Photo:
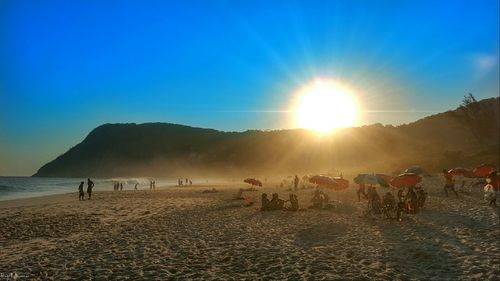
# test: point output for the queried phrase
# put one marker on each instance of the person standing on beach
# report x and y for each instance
(296, 182)
(121, 186)
(81, 194)
(361, 191)
(90, 185)
(449, 183)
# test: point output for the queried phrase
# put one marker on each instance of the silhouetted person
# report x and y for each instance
(294, 203)
(388, 201)
(411, 201)
(265, 202)
(190, 182)
(490, 193)
(296, 182)
(121, 186)
(276, 203)
(154, 185)
(400, 208)
(81, 194)
(449, 183)
(317, 200)
(135, 187)
(361, 191)
(90, 185)
(421, 196)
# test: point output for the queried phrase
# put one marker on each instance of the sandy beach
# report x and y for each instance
(183, 233)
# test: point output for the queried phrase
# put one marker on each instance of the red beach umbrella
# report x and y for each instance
(329, 182)
(341, 183)
(406, 180)
(483, 170)
(385, 178)
(253, 181)
(322, 180)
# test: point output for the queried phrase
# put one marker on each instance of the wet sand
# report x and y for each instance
(183, 233)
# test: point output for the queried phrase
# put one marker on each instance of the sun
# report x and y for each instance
(325, 105)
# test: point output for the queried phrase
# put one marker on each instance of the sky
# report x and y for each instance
(67, 67)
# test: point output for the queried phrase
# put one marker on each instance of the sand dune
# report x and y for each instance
(183, 233)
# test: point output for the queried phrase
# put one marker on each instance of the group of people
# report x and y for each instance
(117, 186)
(411, 202)
(491, 188)
(279, 204)
(320, 200)
(81, 194)
(186, 181)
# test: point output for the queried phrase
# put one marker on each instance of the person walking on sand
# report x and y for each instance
(449, 183)
(90, 185)
(81, 194)
(154, 185)
(135, 187)
(121, 186)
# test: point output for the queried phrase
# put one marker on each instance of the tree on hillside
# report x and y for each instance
(470, 108)
(468, 100)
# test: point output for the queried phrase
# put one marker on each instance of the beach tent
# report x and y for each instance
(253, 181)
(483, 171)
(406, 180)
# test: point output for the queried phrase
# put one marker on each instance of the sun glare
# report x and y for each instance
(325, 105)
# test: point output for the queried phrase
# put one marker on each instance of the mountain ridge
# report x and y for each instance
(468, 135)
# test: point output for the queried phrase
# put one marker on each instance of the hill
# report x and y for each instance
(466, 136)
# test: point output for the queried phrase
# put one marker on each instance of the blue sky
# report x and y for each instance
(69, 66)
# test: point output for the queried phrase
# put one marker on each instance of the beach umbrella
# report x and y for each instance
(406, 180)
(414, 170)
(341, 183)
(253, 181)
(322, 180)
(329, 182)
(380, 179)
(459, 171)
(483, 170)
(384, 180)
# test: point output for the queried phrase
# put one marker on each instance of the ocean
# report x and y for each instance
(26, 187)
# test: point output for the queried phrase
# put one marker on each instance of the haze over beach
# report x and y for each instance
(297, 140)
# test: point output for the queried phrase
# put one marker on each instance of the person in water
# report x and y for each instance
(90, 185)
(265, 202)
(81, 194)
(449, 183)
